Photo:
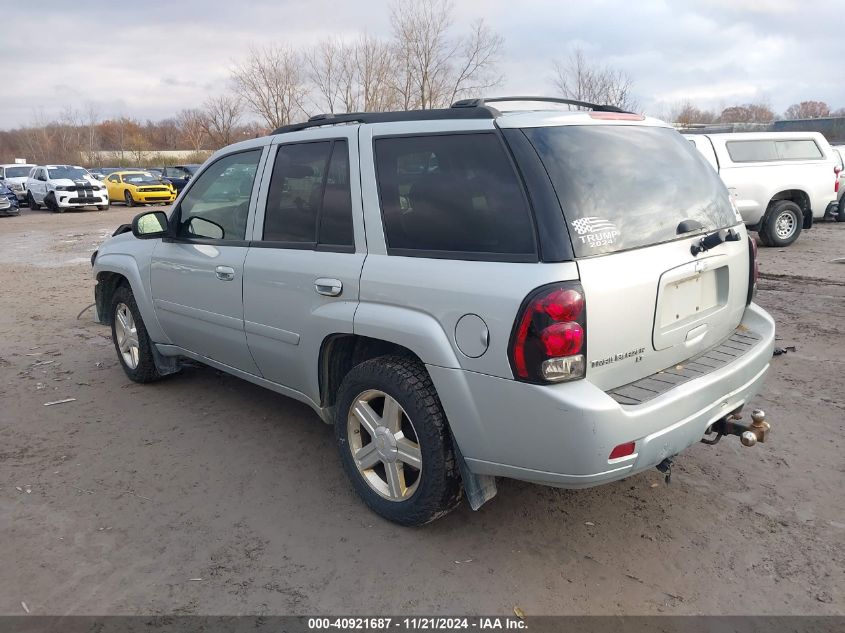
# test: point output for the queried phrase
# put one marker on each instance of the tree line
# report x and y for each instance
(425, 62)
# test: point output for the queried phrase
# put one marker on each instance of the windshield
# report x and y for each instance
(17, 172)
(625, 186)
(73, 173)
(141, 179)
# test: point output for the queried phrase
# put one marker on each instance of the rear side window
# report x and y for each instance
(773, 150)
(624, 186)
(452, 194)
(798, 150)
(309, 201)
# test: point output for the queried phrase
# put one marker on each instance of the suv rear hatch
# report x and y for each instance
(624, 190)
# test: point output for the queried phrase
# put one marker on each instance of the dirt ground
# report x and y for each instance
(204, 494)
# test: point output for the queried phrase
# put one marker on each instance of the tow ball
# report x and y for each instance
(749, 433)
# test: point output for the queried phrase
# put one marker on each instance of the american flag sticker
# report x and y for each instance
(583, 226)
(595, 232)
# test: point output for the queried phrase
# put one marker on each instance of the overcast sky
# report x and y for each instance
(150, 58)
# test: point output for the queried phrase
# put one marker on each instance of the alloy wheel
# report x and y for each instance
(384, 445)
(127, 335)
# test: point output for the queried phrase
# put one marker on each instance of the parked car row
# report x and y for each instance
(61, 187)
(780, 182)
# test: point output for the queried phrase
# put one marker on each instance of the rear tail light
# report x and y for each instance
(753, 269)
(836, 171)
(549, 340)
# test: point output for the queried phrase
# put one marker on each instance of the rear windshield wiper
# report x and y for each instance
(714, 239)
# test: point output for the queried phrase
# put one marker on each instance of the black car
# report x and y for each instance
(8, 201)
(179, 175)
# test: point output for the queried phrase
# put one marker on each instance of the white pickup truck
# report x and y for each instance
(780, 181)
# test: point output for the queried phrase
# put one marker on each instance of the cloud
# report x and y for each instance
(158, 57)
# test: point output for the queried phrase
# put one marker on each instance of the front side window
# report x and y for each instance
(217, 204)
(309, 201)
(452, 193)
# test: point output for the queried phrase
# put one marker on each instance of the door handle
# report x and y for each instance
(225, 273)
(328, 287)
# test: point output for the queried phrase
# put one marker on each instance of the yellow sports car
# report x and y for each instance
(139, 187)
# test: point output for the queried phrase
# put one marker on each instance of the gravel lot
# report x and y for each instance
(206, 494)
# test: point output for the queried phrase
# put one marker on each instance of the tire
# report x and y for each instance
(840, 214)
(52, 205)
(782, 224)
(419, 494)
(31, 201)
(128, 199)
(102, 207)
(123, 308)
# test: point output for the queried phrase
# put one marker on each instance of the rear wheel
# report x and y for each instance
(394, 441)
(30, 200)
(131, 341)
(782, 224)
(127, 197)
(840, 214)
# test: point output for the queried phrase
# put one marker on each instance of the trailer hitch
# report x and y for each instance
(749, 433)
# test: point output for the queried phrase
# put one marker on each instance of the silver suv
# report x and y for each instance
(467, 293)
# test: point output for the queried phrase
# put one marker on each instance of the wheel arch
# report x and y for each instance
(799, 197)
(110, 271)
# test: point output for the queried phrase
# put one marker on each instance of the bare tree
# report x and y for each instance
(220, 117)
(331, 68)
(807, 110)
(579, 79)
(433, 66)
(747, 113)
(192, 126)
(685, 114)
(375, 69)
(355, 76)
(272, 84)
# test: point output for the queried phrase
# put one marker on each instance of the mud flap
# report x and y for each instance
(165, 365)
(479, 489)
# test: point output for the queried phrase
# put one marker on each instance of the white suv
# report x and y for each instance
(460, 294)
(61, 187)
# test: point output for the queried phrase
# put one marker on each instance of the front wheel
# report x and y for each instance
(31, 201)
(394, 441)
(782, 225)
(131, 341)
(102, 207)
(127, 197)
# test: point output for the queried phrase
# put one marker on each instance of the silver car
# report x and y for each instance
(465, 294)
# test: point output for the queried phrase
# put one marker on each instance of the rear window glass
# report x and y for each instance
(624, 187)
(452, 194)
(773, 150)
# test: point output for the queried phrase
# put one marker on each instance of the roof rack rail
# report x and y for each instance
(480, 103)
(318, 120)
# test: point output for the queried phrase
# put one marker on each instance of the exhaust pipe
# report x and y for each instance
(749, 433)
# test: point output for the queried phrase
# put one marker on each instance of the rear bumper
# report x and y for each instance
(562, 435)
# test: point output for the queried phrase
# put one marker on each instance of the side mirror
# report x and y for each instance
(200, 227)
(149, 225)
